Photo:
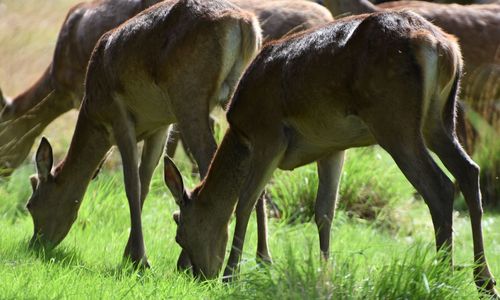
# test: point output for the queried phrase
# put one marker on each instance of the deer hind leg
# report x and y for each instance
(263, 255)
(443, 141)
(195, 132)
(329, 173)
(126, 141)
(263, 165)
(194, 126)
(437, 190)
(151, 153)
(404, 142)
(173, 137)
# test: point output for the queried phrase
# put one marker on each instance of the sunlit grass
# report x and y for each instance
(368, 261)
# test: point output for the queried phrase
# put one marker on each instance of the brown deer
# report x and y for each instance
(477, 28)
(389, 78)
(277, 18)
(61, 87)
(144, 75)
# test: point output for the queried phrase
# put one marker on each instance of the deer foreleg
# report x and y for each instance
(126, 141)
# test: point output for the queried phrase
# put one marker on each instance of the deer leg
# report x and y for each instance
(151, 153)
(263, 254)
(126, 141)
(413, 159)
(195, 132)
(173, 136)
(172, 140)
(466, 172)
(263, 166)
(329, 173)
(461, 127)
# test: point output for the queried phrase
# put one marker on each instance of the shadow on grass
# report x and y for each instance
(61, 256)
(68, 258)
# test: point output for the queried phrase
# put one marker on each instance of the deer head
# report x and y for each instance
(52, 216)
(205, 250)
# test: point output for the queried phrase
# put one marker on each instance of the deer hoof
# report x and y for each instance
(264, 260)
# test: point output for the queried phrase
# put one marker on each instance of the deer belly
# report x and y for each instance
(308, 143)
(149, 107)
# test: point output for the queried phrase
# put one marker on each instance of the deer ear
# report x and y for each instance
(34, 181)
(173, 180)
(44, 160)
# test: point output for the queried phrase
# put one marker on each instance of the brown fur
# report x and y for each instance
(388, 78)
(477, 28)
(61, 87)
(144, 75)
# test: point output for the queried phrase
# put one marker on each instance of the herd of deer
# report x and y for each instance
(316, 88)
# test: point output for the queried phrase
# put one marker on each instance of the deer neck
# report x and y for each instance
(42, 114)
(88, 147)
(32, 96)
(221, 187)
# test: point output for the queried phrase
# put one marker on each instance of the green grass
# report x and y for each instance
(388, 256)
(364, 192)
(368, 261)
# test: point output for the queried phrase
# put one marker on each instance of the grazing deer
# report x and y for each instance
(477, 28)
(387, 78)
(61, 87)
(171, 63)
(277, 18)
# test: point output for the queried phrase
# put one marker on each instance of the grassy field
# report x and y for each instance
(382, 240)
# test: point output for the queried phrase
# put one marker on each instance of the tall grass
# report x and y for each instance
(372, 187)
(417, 274)
(366, 262)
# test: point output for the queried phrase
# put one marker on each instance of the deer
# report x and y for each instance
(60, 88)
(477, 28)
(143, 76)
(277, 19)
(310, 96)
